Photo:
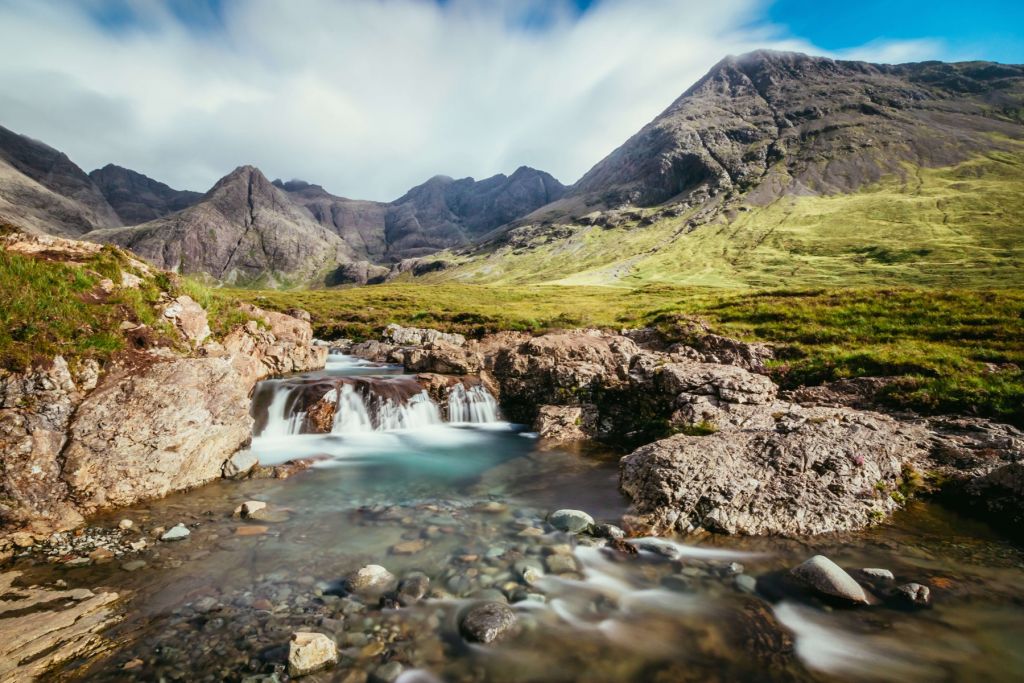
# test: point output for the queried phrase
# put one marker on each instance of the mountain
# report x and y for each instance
(788, 122)
(440, 213)
(137, 198)
(44, 191)
(244, 231)
(777, 169)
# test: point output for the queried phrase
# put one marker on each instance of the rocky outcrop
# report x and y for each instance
(41, 628)
(157, 419)
(414, 336)
(817, 471)
(36, 408)
(146, 432)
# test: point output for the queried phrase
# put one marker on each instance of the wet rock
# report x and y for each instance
(561, 564)
(41, 629)
(240, 464)
(409, 547)
(571, 521)
(372, 578)
(830, 580)
(125, 524)
(388, 673)
(249, 509)
(487, 622)
(914, 594)
(176, 533)
(310, 652)
(746, 583)
(609, 531)
(134, 565)
(413, 588)
(876, 573)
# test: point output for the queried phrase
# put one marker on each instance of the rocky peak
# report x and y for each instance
(137, 198)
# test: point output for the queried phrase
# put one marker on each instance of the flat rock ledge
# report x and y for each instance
(41, 628)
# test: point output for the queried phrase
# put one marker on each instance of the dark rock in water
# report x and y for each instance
(830, 580)
(413, 588)
(487, 622)
(914, 594)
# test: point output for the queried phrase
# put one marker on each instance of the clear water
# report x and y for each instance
(464, 495)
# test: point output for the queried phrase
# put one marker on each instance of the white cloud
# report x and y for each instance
(367, 97)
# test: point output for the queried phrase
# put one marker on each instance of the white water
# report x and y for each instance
(357, 412)
(280, 420)
(473, 405)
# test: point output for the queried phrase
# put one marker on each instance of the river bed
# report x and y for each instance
(465, 504)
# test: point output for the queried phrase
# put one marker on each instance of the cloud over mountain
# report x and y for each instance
(367, 97)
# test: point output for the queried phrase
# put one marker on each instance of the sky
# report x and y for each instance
(371, 97)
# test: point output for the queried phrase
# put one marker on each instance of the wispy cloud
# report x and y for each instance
(367, 97)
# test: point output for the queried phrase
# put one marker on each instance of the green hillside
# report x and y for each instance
(957, 226)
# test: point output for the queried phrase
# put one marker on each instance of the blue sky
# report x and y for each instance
(370, 97)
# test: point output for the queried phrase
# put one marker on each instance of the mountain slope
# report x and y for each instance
(137, 198)
(244, 231)
(786, 122)
(782, 169)
(42, 190)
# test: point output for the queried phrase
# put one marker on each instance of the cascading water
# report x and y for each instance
(474, 405)
(363, 401)
(282, 419)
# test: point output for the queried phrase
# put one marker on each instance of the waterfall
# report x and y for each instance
(471, 405)
(350, 414)
(362, 402)
(281, 421)
(418, 411)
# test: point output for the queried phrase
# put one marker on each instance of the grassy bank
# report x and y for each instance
(954, 346)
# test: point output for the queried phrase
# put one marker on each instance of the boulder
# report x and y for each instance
(145, 432)
(310, 652)
(565, 424)
(370, 579)
(830, 580)
(914, 594)
(240, 464)
(189, 318)
(571, 521)
(830, 471)
(488, 622)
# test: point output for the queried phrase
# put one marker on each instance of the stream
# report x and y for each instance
(450, 491)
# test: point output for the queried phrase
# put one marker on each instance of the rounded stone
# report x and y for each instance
(830, 580)
(571, 521)
(487, 622)
(310, 652)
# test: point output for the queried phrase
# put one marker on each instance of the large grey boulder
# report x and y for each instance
(830, 471)
(830, 580)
